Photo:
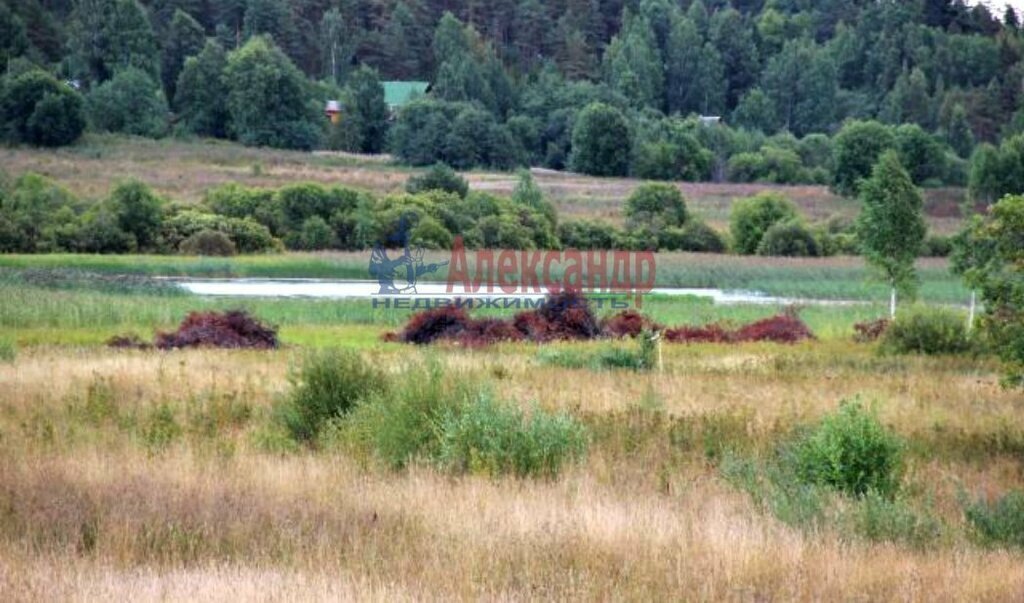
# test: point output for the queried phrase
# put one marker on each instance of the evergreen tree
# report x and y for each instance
(405, 46)
(273, 18)
(529, 26)
(756, 112)
(801, 82)
(958, 132)
(632, 64)
(200, 94)
(184, 38)
(110, 35)
(13, 37)
(891, 226)
(909, 100)
(734, 41)
(694, 74)
(367, 96)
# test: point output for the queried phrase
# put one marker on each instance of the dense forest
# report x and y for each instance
(807, 91)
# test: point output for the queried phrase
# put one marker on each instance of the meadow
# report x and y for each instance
(505, 472)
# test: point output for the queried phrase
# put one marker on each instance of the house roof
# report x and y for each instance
(397, 94)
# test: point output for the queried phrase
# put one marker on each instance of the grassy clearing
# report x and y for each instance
(184, 170)
(138, 471)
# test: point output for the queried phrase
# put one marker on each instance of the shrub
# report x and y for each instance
(851, 451)
(315, 234)
(1001, 522)
(752, 217)
(880, 519)
(788, 239)
(937, 246)
(160, 429)
(655, 205)
(924, 330)
(233, 329)
(208, 242)
(588, 234)
(495, 439)
(328, 386)
(696, 236)
(438, 177)
(8, 350)
(139, 212)
(131, 103)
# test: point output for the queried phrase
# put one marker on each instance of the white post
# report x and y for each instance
(892, 304)
(970, 315)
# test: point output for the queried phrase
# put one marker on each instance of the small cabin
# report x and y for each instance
(399, 94)
(333, 111)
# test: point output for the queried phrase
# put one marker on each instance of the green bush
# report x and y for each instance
(131, 103)
(601, 141)
(696, 236)
(999, 523)
(655, 205)
(37, 109)
(788, 239)
(752, 217)
(328, 386)
(850, 451)
(880, 519)
(8, 350)
(924, 330)
(139, 212)
(490, 438)
(160, 429)
(588, 234)
(399, 426)
(439, 177)
(937, 246)
(208, 242)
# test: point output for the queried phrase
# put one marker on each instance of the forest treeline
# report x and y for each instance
(606, 87)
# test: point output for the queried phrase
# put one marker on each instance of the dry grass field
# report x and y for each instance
(147, 476)
(184, 170)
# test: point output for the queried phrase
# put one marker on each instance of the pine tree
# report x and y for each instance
(756, 112)
(529, 27)
(632, 64)
(891, 226)
(958, 132)
(110, 35)
(909, 100)
(275, 19)
(184, 38)
(734, 41)
(200, 93)
(367, 94)
(405, 47)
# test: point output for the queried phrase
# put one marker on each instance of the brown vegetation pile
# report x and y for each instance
(233, 329)
(628, 323)
(569, 317)
(872, 330)
(783, 328)
(563, 317)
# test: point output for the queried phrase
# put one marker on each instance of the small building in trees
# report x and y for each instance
(397, 94)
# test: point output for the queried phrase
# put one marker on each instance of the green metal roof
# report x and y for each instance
(397, 94)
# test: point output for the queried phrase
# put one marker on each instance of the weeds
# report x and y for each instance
(328, 386)
(1001, 522)
(8, 350)
(487, 437)
(160, 429)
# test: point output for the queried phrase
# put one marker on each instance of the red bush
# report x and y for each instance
(784, 328)
(628, 323)
(568, 316)
(489, 330)
(430, 325)
(713, 333)
(234, 329)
